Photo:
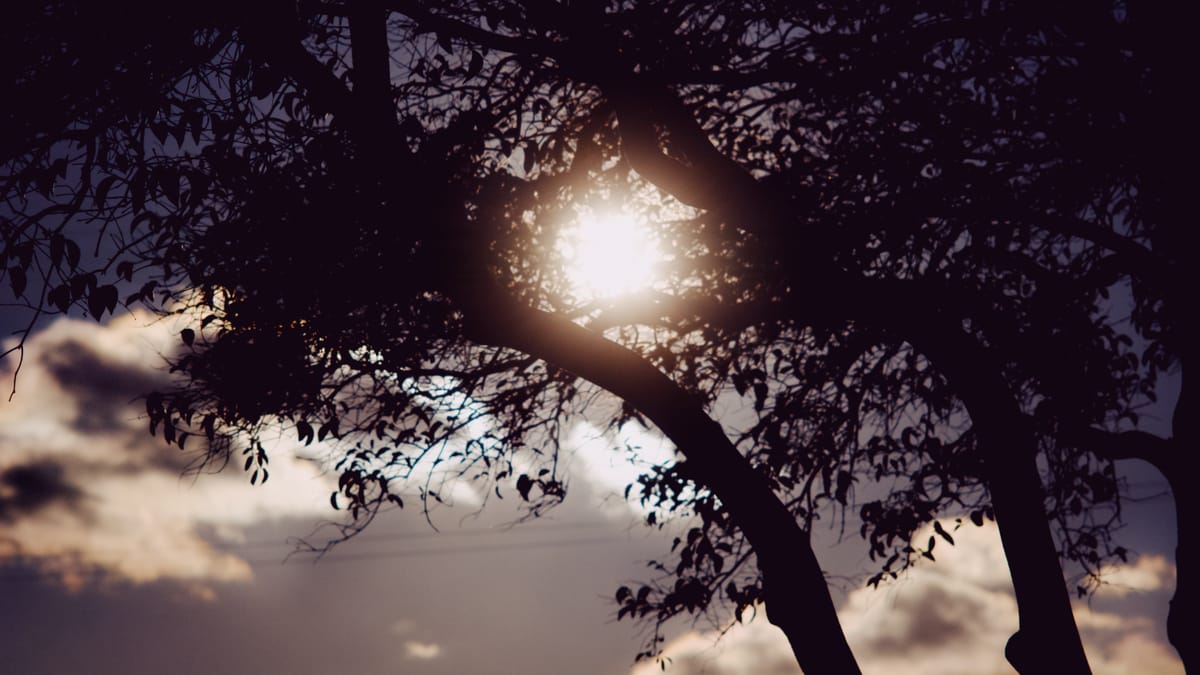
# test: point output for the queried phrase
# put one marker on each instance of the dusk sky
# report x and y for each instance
(113, 559)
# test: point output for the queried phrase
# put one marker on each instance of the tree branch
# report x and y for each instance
(372, 59)
(797, 596)
(278, 43)
(1142, 445)
(505, 43)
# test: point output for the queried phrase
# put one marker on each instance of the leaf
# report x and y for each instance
(199, 184)
(80, 283)
(102, 298)
(45, 182)
(937, 527)
(739, 383)
(59, 167)
(160, 131)
(524, 485)
(188, 335)
(150, 218)
(304, 432)
(73, 253)
(195, 123)
(179, 132)
(760, 396)
(844, 481)
(16, 279)
(102, 189)
(60, 297)
(476, 64)
(137, 193)
(169, 182)
(530, 149)
(57, 244)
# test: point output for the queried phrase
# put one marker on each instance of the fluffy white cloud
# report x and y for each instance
(753, 648)
(950, 617)
(87, 494)
(609, 462)
(1148, 573)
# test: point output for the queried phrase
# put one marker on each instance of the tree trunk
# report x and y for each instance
(1169, 141)
(797, 597)
(1047, 640)
(1184, 614)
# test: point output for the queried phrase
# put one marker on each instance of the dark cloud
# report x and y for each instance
(105, 392)
(932, 618)
(76, 422)
(104, 388)
(28, 488)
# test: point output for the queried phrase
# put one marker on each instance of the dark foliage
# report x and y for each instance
(905, 236)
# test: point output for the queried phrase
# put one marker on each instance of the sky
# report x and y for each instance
(114, 558)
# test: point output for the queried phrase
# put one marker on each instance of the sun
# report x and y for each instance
(609, 254)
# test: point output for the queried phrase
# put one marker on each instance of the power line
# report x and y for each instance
(96, 574)
(476, 548)
(400, 536)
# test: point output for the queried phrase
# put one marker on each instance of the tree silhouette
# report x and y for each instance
(904, 234)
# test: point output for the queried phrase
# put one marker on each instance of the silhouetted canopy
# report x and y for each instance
(902, 245)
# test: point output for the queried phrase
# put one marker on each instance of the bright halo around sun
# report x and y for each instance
(609, 254)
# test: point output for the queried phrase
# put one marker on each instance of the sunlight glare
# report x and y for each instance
(608, 255)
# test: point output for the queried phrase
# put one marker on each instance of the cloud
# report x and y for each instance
(1148, 573)
(609, 469)
(753, 648)
(86, 494)
(422, 651)
(414, 649)
(954, 616)
(29, 488)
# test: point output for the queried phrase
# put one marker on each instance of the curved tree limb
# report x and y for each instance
(797, 596)
(1165, 454)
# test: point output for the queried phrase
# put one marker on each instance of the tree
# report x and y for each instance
(357, 203)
